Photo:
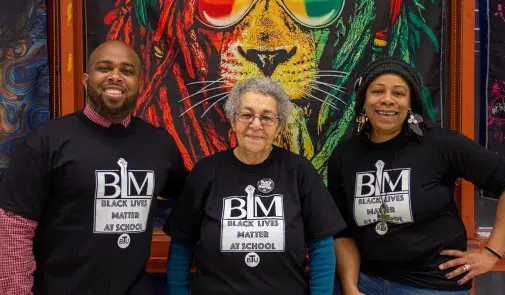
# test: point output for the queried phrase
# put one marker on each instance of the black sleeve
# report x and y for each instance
(176, 176)
(186, 218)
(321, 217)
(471, 161)
(25, 183)
(338, 193)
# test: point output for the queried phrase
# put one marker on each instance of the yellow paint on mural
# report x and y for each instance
(70, 62)
(269, 42)
(379, 42)
(283, 50)
(158, 52)
(69, 14)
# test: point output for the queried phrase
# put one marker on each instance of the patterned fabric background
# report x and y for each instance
(496, 77)
(193, 52)
(24, 72)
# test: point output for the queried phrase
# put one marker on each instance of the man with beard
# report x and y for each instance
(77, 199)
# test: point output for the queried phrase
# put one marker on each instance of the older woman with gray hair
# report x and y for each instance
(247, 214)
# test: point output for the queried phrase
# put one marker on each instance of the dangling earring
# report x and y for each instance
(361, 120)
(414, 120)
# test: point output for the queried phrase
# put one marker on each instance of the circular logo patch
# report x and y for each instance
(381, 228)
(123, 241)
(252, 259)
(265, 185)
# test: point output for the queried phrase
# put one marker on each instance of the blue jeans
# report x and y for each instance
(370, 285)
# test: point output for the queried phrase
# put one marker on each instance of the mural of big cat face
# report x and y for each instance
(194, 51)
(278, 39)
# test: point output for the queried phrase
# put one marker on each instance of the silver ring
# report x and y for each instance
(466, 267)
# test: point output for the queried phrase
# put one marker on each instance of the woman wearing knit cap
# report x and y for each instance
(394, 184)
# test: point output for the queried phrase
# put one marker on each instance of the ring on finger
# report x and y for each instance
(466, 267)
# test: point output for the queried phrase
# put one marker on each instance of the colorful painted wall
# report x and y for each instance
(496, 77)
(194, 51)
(24, 72)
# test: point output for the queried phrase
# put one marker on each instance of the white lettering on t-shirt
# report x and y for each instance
(122, 200)
(391, 187)
(253, 223)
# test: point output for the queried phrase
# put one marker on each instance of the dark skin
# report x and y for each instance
(479, 260)
(112, 80)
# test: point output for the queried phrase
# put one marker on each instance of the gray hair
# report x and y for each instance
(264, 86)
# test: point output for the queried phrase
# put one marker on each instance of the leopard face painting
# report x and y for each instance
(194, 51)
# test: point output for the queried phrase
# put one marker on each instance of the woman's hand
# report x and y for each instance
(472, 262)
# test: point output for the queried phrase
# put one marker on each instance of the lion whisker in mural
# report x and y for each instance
(205, 89)
(214, 104)
(318, 99)
(337, 88)
(318, 89)
(202, 91)
(312, 48)
(225, 94)
(332, 71)
(329, 75)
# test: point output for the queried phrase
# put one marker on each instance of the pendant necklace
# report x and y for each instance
(382, 227)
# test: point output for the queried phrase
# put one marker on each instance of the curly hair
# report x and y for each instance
(264, 86)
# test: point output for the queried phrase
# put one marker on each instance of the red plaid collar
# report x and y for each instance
(100, 120)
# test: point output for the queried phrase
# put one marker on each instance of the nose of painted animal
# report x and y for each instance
(267, 60)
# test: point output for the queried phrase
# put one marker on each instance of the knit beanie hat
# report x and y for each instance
(390, 65)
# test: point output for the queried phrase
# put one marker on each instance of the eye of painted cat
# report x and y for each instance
(222, 13)
(314, 13)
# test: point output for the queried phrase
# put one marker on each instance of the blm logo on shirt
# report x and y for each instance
(253, 223)
(391, 187)
(122, 199)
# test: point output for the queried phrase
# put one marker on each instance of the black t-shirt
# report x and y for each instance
(250, 223)
(415, 180)
(92, 191)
